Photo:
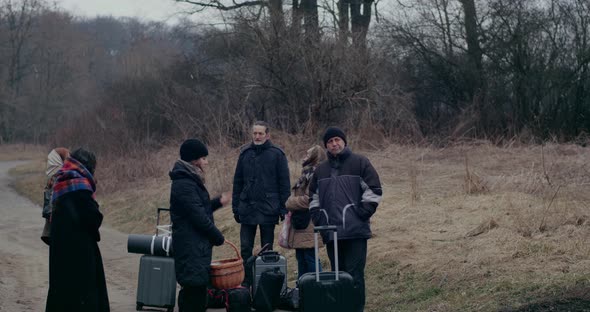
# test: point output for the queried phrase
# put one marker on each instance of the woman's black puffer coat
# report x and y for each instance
(193, 231)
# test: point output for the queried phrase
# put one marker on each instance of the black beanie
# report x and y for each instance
(334, 132)
(192, 149)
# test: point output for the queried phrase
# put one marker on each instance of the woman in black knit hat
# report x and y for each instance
(193, 230)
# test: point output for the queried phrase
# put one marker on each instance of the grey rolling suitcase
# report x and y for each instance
(268, 260)
(157, 278)
(157, 283)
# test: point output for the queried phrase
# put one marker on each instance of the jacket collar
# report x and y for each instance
(183, 169)
(335, 161)
(261, 147)
(346, 152)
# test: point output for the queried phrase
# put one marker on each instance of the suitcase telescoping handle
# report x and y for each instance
(316, 231)
(158, 217)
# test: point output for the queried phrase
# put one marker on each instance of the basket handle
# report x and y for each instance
(235, 248)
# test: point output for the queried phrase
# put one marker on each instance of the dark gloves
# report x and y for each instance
(237, 217)
(219, 241)
(282, 217)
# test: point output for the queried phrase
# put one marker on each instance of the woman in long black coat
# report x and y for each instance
(76, 275)
(193, 231)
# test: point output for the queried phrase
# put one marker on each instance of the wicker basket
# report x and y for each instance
(227, 273)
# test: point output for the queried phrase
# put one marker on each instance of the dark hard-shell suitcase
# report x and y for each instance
(268, 260)
(157, 279)
(157, 283)
(326, 291)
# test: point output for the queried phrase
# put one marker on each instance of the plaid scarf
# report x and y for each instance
(73, 176)
(305, 177)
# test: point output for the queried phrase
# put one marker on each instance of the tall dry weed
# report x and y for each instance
(473, 183)
(123, 171)
(544, 215)
(414, 187)
(521, 217)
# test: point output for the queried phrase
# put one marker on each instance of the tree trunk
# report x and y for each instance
(473, 48)
(310, 20)
(360, 20)
(343, 20)
(276, 15)
(476, 90)
(296, 18)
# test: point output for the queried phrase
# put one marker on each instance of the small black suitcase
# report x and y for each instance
(238, 299)
(326, 291)
(268, 292)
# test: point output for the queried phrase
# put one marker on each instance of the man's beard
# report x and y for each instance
(336, 151)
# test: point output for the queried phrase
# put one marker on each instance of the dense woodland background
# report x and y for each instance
(419, 71)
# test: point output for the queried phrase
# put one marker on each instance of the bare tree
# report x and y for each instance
(17, 18)
(354, 20)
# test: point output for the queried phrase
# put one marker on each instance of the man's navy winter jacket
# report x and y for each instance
(345, 191)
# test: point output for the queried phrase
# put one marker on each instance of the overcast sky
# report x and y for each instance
(147, 10)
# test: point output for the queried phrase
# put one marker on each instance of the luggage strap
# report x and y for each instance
(165, 244)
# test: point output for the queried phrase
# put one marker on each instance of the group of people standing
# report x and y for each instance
(336, 187)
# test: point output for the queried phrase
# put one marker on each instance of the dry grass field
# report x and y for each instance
(21, 152)
(470, 227)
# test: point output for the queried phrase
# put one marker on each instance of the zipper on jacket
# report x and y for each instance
(344, 215)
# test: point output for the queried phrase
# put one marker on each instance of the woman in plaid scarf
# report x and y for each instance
(76, 274)
(301, 232)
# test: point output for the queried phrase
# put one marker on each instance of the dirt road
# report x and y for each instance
(24, 257)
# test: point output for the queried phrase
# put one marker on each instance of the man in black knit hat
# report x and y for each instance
(345, 191)
(193, 230)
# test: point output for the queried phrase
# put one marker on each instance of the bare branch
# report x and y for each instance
(216, 4)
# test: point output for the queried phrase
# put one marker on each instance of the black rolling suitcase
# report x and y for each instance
(326, 291)
(157, 279)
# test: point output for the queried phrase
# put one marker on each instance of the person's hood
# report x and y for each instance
(54, 162)
(316, 156)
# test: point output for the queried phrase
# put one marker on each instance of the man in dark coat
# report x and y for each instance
(193, 230)
(76, 274)
(345, 191)
(261, 188)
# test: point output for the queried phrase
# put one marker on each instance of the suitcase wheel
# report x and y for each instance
(170, 310)
(139, 307)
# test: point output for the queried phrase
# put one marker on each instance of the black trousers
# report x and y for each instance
(247, 236)
(192, 299)
(352, 258)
